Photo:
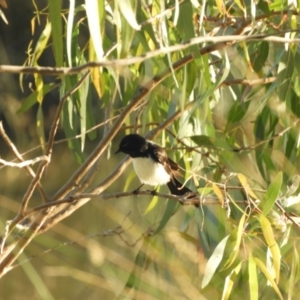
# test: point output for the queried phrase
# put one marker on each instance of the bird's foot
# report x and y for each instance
(135, 192)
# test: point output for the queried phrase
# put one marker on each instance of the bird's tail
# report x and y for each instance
(176, 188)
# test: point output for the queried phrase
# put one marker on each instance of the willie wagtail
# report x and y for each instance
(151, 163)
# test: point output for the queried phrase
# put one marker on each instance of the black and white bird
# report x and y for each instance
(151, 163)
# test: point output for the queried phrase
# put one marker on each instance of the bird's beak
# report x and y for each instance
(118, 151)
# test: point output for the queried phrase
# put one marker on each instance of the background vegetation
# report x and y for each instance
(217, 81)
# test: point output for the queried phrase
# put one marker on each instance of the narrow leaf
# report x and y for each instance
(40, 127)
(271, 195)
(57, 36)
(214, 262)
(253, 280)
(273, 246)
(243, 180)
(238, 238)
(264, 269)
(92, 13)
(219, 194)
(126, 8)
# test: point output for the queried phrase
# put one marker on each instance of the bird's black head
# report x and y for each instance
(133, 145)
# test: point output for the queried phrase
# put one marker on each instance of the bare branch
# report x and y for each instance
(116, 63)
(24, 163)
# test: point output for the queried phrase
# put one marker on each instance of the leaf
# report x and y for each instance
(32, 98)
(69, 34)
(94, 24)
(294, 271)
(172, 206)
(271, 195)
(40, 128)
(38, 80)
(230, 280)
(243, 180)
(83, 95)
(213, 262)
(57, 36)
(264, 269)
(261, 57)
(218, 193)
(237, 236)
(253, 279)
(271, 242)
(126, 8)
(41, 44)
(237, 112)
(285, 72)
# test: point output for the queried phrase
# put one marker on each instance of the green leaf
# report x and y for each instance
(271, 195)
(214, 261)
(284, 77)
(171, 208)
(237, 111)
(261, 57)
(69, 31)
(32, 98)
(57, 35)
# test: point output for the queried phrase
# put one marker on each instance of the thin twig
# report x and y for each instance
(19, 157)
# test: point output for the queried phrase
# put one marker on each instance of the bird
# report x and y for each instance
(151, 163)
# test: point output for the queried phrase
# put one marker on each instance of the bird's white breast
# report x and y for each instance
(150, 172)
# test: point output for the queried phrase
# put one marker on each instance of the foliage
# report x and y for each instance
(219, 82)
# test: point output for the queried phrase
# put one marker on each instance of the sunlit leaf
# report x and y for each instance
(128, 11)
(253, 279)
(92, 12)
(237, 236)
(243, 180)
(264, 269)
(229, 282)
(218, 193)
(214, 261)
(41, 44)
(272, 244)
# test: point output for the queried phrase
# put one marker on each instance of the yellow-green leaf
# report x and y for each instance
(218, 193)
(253, 280)
(238, 235)
(269, 276)
(40, 127)
(273, 246)
(243, 180)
